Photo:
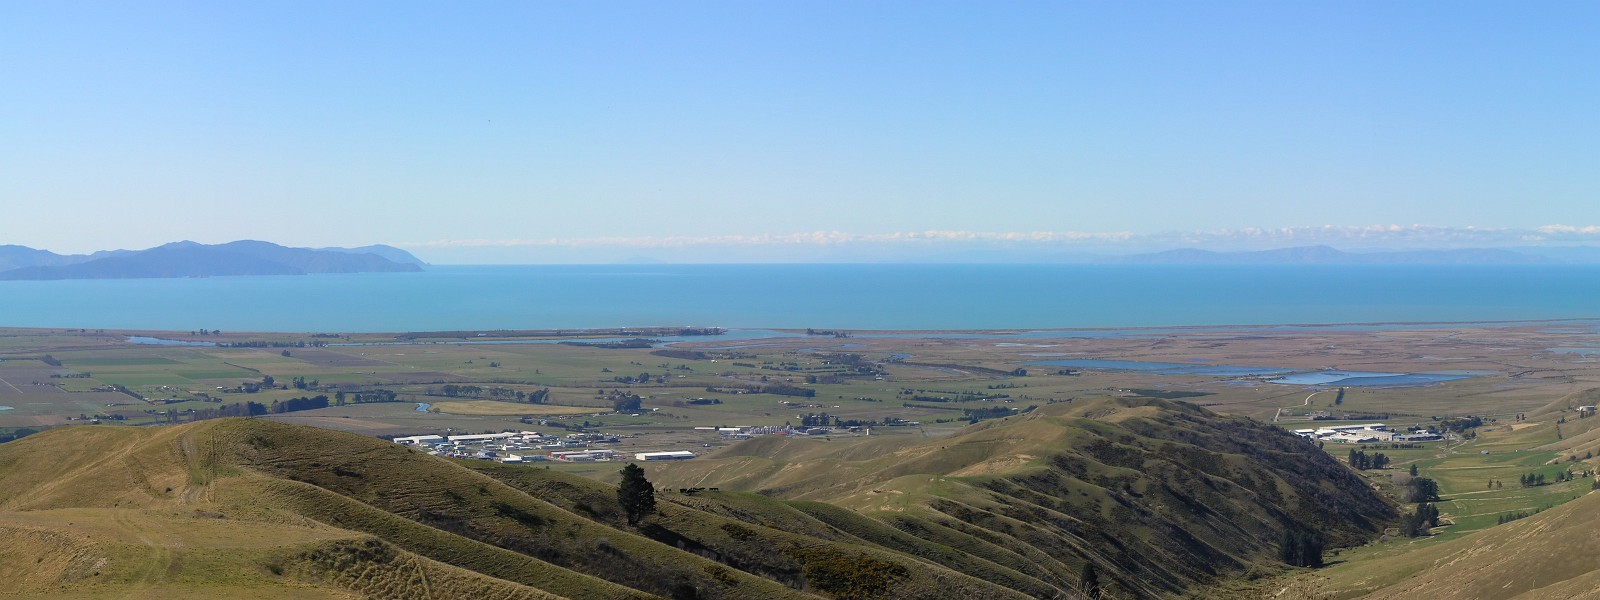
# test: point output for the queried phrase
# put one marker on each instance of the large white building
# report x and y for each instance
(674, 455)
(419, 439)
(1352, 437)
(1365, 433)
(482, 437)
(582, 455)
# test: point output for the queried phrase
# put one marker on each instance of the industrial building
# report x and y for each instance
(674, 455)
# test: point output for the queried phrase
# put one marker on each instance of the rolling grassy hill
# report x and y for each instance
(263, 509)
(1552, 554)
(1162, 497)
(1496, 541)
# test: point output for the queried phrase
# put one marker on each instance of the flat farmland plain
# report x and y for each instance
(929, 378)
(33, 397)
(880, 389)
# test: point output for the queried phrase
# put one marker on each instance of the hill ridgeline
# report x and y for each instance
(190, 259)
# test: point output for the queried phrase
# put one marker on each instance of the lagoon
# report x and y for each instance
(1162, 368)
(1368, 379)
(1282, 376)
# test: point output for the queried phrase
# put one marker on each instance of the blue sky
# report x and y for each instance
(546, 131)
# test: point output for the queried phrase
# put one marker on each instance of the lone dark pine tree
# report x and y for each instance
(636, 494)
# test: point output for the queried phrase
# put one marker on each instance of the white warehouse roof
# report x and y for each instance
(674, 455)
(417, 439)
(481, 436)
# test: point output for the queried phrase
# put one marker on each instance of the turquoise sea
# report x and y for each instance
(822, 296)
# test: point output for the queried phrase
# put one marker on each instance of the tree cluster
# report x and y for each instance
(1422, 489)
(493, 393)
(624, 402)
(827, 420)
(734, 389)
(682, 354)
(828, 332)
(1301, 548)
(298, 404)
(253, 409)
(783, 389)
(1460, 424)
(642, 378)
(825, 379)
(237, 409)
(989, 412)
(1416, 524)
(267, 383)
(124, 390)
(818, 420)
(1514, 515)
(17, 434)
(952, 396)
(1361, 461)
(269, 344)
(376, 395)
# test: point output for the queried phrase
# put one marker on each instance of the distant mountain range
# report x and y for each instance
(191, 259)
(1042, 253)
(1324, 255)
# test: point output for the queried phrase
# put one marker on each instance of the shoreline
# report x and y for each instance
(706, 332)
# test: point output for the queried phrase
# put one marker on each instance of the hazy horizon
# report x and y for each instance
(960, 247)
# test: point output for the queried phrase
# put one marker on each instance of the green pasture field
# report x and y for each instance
(128, 361)
(79, 385)
(573, 372)
(1468, 502)
(61, 404)
(145, 381)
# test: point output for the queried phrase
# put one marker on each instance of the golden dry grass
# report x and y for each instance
(117, 512)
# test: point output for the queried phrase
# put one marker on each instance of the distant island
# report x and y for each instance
(191, 259)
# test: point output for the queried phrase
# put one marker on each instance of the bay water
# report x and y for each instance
(825, 296)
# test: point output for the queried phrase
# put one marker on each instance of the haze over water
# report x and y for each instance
(823, 296)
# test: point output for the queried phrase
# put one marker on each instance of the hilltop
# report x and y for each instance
(1161, 496)
(190, 259)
